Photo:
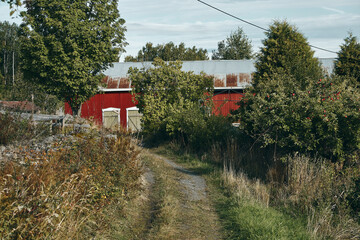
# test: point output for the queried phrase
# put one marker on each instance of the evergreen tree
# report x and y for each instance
(348, 60)
(237, 46)
(68, 43)
(286, 51)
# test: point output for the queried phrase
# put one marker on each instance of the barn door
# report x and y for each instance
(111, 118)
(133, 119)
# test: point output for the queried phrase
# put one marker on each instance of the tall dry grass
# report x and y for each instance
(320, 189)
(310, 187)
(58, 193)
(244, 187)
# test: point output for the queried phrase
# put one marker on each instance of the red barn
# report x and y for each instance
(116, 105)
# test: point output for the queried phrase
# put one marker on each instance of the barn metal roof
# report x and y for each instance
(228, 74)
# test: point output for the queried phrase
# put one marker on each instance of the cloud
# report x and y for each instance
(334, 10)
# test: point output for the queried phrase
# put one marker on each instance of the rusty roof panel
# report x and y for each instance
(105, 80)
(219, 80)
(113, 83)
(124, 83)
(244, 78)
(231, 80)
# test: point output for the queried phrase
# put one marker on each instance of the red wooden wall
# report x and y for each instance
(92, 109)
(224, 102)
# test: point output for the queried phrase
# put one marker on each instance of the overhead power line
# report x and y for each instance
(254, 25)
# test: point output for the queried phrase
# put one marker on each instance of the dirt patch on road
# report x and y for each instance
(194, 186)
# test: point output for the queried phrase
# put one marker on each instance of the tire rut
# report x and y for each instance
(198, 217)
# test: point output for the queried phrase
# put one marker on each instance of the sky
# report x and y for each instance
(325, 23)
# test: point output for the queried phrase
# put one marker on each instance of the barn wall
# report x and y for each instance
(225, 102)
(92, 109)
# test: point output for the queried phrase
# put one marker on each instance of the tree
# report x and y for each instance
(168, 52)
(164, 90)
(320, 119)
(237, 46)
(68, 43)
(292, 109)
(348, 60)
(286, 51)
(9, 52)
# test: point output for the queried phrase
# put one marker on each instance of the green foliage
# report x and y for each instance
(164, 90)
(323, 118)
(168, 52)
(54, 194)
(291, 107)
(237, 46)
(13, 86)
(286, 51)
(9, 54)
(195, 129)
(67, 44)
(348, 60)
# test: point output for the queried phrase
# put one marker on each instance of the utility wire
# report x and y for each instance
(254, 25)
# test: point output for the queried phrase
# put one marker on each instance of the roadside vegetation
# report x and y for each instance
(71, 187)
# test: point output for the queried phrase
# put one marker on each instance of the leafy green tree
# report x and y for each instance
(286, 51)
(168, 52)
(163, 90)
(67, 43)
(237, 46)
(348, 60)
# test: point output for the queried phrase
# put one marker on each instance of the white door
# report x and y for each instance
(133, 119)
(111, 118)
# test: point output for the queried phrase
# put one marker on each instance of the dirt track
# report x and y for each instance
(196, 218)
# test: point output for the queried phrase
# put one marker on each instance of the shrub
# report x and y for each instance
(196, 129)
(163, 86)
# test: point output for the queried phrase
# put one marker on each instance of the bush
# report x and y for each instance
(196, 129)
(166, 86)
